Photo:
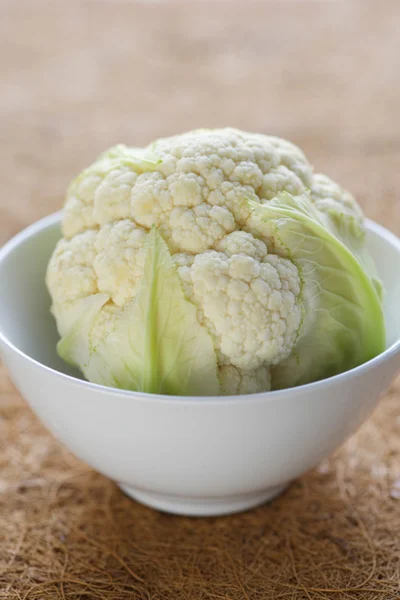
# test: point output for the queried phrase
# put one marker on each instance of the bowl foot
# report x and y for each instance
(201, 507)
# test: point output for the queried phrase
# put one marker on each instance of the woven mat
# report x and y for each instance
(79, 76)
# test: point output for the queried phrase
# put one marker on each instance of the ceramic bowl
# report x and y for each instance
(185, 455)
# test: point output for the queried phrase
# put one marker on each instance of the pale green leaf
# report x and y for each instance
(77, 319)
(343, 322)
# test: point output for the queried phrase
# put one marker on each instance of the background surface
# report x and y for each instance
(78, 76)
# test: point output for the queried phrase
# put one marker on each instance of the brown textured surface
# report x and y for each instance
(79, 76)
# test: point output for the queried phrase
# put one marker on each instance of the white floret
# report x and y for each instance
(331, 198)
(120, 258)
(70, 273)
(236, 381)
(112, 198)
(250, 305)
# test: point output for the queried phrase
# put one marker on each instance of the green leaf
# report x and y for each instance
(77, 319)
(156, 345)
(348, 229)
(343, 321)
(140, 159)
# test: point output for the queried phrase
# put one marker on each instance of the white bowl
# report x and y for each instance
(185, 455)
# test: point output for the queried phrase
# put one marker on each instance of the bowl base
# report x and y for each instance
(201, 507)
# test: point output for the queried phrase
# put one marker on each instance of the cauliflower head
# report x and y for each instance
(212, 262)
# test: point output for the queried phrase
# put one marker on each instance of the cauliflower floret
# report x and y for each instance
(239, 381)
(330, 198)
(248, 301)
(70, 273)
(113, 195)
(119, 262)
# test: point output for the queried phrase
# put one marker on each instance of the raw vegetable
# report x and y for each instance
(213, 262)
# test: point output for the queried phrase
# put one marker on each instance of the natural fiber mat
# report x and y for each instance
(66, 532)
(79, 76)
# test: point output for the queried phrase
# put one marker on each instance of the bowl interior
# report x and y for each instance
(26, 321)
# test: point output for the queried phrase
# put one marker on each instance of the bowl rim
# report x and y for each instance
(53, 218)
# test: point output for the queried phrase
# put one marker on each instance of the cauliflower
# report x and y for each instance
(213, 262)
